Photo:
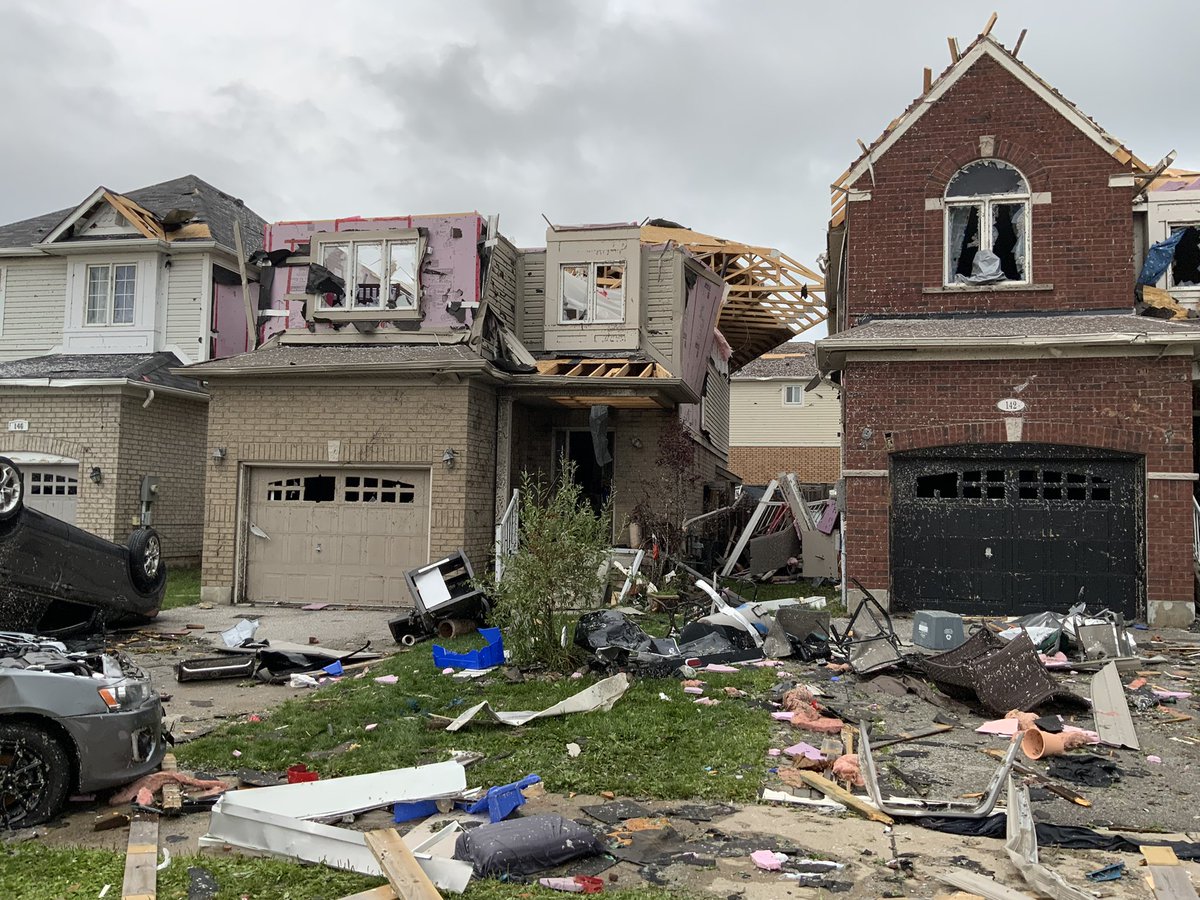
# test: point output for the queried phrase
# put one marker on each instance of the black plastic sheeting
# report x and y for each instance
(1070, 837)
(616, 641)
(525, 845)
(1086, 768)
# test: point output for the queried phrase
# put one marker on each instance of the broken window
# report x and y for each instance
(47, 484)
(793, 395)
(283, 489)
(370, 489)
(987, 224)
(377, 272)
(941, 485)
(319, 488)
(1185, 266)
(592, 292)
(110, 294)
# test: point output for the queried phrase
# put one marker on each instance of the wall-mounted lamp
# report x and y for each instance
(448, 458)
(219, 454)
(96, 475)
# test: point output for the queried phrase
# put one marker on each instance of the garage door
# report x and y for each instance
(52, 489)
(336, 535)
(1014, 529)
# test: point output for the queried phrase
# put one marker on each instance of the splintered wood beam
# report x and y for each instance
(1020, 39)
(400, 867)
(987, 29)
(928, 80)
(953, 43)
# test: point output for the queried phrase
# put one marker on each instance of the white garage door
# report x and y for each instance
(52, 489)
(336, 535)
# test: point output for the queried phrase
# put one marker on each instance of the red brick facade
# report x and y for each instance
(1081, 241)
(1134, 404)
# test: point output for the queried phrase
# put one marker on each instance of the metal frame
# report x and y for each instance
(909, 807)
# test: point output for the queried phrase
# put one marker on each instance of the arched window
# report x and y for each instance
(987, 224)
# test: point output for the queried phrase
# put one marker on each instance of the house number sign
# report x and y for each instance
(1011, 405)
(18, 425)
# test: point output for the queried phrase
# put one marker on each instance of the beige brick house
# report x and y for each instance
(782, 418)
(412, 368)
(97, 304)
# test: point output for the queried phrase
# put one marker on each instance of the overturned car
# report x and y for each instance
(70, 722)
(56, 578)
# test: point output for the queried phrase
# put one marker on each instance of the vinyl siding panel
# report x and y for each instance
(35, 297)
(503, 282)
(716, 410)
(662, 290)
(533, 301)
(758, 417)
(185, 303)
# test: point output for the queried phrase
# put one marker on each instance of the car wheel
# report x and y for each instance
(35, 775)
(146, 566)
(11, 489)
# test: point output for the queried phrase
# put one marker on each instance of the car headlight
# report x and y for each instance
(126, 695)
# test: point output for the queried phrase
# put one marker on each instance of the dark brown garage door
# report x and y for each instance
(1012, 529)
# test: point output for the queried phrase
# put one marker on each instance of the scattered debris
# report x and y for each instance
(600, 697)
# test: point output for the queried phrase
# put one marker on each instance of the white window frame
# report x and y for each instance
(111, 298)
(985, 202)
(1169, 275)
(3, 283)
(591, 290)
(386, 239)
(787, 389)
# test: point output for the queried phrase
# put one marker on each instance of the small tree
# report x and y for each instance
(562, 542)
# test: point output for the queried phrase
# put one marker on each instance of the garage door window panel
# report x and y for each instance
(48, 484)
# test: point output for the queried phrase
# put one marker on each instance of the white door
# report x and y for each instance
(52, 489)
(335, 534)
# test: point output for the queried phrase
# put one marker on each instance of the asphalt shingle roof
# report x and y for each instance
(150, 368)
(794, 359)
(321, 356)
(218, 209)
(1013, 327)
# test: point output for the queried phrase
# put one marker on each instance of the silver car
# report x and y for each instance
(70, 722)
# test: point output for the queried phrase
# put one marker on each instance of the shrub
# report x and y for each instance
(562, 542)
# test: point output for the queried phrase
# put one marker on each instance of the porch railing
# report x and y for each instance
(507, 533)
(1196, 530)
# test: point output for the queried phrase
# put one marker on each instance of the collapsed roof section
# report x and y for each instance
(771, 296)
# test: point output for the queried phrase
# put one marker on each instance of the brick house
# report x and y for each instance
(782, 420)
(98, 303)
(1014, 437)
(412, 368)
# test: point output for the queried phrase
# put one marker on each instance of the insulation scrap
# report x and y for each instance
(155, 781)
(845, 768)
(1025, 720)
(796, 698)
(809, 719)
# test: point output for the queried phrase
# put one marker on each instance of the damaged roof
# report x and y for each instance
(214, 207)
(795, 359)
(145, 368)
(341, 357)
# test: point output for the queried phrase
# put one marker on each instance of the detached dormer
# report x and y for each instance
(593, 287)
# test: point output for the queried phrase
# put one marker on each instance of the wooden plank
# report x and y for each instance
(953, 43)
(991, 23)
(403, 872)
(1159, 856)
(980, 885)
(172, 793)
(1170, 883)
(251, 315)
(1020, 40)
(1044, 782)
(835, 792)
(912, 736)
(383, 892)
(141, 860)
(928, 80)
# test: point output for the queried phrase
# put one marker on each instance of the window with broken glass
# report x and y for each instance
(1185, 265)
(987, 225)
(378, 274)
(591, 293)
(110, 294)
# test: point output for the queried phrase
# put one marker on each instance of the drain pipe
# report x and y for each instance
(149, 398)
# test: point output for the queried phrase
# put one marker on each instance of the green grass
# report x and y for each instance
(33, 871)
(643, 747)
(183, 588)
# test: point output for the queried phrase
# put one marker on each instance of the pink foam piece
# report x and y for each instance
(782, 716)
(1008, 727)
(718, 667)
(774, 751)
(1154, 759)
(386, 679)
(693, 690)
(1176, 695)
(766, 663)
(766, 860)
(706, 701)
(806, 750)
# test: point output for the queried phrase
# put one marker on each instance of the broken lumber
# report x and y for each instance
(172, 793)
(912, 736)
(401, 868)
(141, 860)
(1052, 786)
(383, 892)
(979, 885)
(836, 792)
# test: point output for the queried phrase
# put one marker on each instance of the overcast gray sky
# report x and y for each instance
(731, 118)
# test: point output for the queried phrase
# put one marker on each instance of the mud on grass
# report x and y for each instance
(36, 872)
(644, 747)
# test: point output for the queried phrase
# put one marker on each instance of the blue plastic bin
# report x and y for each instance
(415, 809)
(491, 655)
(500, 801)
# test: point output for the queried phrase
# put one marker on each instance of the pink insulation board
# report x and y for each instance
(450, 270)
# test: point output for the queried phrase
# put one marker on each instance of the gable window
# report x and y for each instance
(987, 225)
(592, 292)
(793, 395)
(1185, 265)
(375, 273)
(110, 294)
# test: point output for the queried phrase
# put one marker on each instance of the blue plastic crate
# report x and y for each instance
(485, 658)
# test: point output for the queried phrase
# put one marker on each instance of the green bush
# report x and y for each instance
(562, 542)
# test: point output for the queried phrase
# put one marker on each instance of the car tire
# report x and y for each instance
(12, 489)
(146, 566)
(35, 775)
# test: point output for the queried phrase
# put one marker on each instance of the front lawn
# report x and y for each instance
(183, 587)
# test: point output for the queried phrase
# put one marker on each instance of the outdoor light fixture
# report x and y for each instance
(96, 475)
(219, 454)
(448, 458)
